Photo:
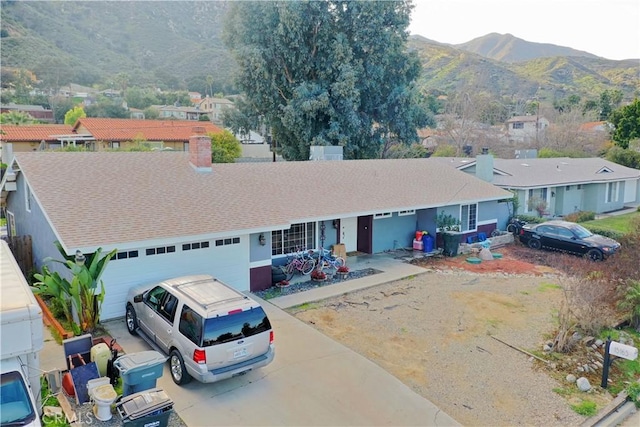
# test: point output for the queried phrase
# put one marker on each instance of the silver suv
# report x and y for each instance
(209, 330)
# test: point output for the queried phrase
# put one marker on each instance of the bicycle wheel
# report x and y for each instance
(307, 266)
(338, 262)
(290, 269)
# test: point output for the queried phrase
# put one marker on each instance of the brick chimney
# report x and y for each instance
(200, 150)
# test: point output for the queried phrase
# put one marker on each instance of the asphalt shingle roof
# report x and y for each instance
(559, 171)
(111, 198)
(545, 172)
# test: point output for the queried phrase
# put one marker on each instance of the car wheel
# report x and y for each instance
(179, 372)
(595, 255)
(534, 244)
(132, 320)
(511, 228)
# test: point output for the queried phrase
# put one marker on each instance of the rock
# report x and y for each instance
(546, 348)
(588, 340)
(576, 337)
(486, 255)
(553, 365)
(583, 384)
(580, 369)
(599, 343)
(594, 347)
(571, 378)
(594, 367)
(598, 364)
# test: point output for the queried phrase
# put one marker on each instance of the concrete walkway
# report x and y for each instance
(390, 267)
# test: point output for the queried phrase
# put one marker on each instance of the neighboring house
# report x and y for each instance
(99, 134)
(526, 128)
(180, 113)
(215, 107)
(38, 112)
(171, 214)
(136, 114)
(22, 138)
(565, 184)
(73, 90)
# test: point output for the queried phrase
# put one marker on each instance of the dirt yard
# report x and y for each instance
(436, 333)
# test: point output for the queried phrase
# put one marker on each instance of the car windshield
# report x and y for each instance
(581, 232)
(15, 405)
(234, 326)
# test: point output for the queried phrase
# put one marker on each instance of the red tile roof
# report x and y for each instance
(151, 130)
(13, 133)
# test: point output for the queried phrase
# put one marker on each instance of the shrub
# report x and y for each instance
(580, 216)
(634, 393)
(531, 219)
(604, 232)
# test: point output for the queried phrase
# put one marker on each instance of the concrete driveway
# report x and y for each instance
(312, 381)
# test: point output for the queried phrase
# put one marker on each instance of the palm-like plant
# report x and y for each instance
(83, 290)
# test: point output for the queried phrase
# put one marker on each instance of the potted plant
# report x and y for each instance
(283, 284)
(450, 229)
(342, 271)
(318, 275)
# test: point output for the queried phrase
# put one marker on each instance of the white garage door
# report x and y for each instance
(228, 262)
(630, 191)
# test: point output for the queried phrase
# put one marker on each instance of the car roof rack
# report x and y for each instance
(206, 296)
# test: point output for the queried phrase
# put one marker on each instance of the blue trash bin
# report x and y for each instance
(427, 243)
(139, 371)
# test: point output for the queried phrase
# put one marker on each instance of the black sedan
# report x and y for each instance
(568, 237)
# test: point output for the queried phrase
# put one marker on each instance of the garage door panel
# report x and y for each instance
(229, 263)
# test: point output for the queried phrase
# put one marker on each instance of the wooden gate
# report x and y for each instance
(21, 248)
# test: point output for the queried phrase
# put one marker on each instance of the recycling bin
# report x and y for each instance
(427, 242)
(139, 371)
(149, 408)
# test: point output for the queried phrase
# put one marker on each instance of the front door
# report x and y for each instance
(365, 234)
(349, 233)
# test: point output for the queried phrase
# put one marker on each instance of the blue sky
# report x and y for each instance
(607, 28)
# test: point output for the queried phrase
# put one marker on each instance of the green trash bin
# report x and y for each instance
(450, 243)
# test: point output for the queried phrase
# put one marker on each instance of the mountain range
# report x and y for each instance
(179, 43)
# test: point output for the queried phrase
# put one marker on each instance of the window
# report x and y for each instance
(229, 241)
(299, 236)
(168, 307)
(243, 324)
(115, 145)
(126, 254)
(611, 193)
(196, 245)
(160, 250)
(154, 297)
(27, 196)
(518, 125)
(579, 187)
(469, 216)
(568, 187)
(382, 215)
(408, 212)
(191, 325)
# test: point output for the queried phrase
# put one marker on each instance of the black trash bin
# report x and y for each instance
(149, 408)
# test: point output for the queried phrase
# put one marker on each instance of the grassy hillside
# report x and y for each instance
(177, 43)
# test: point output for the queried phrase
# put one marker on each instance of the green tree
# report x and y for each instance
(626, 123)
(16, 118)
(328, 73)
(225, 148)
(624, 157)
(72, 116)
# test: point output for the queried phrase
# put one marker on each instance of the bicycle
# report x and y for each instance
(300, 263)
(326, 259)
